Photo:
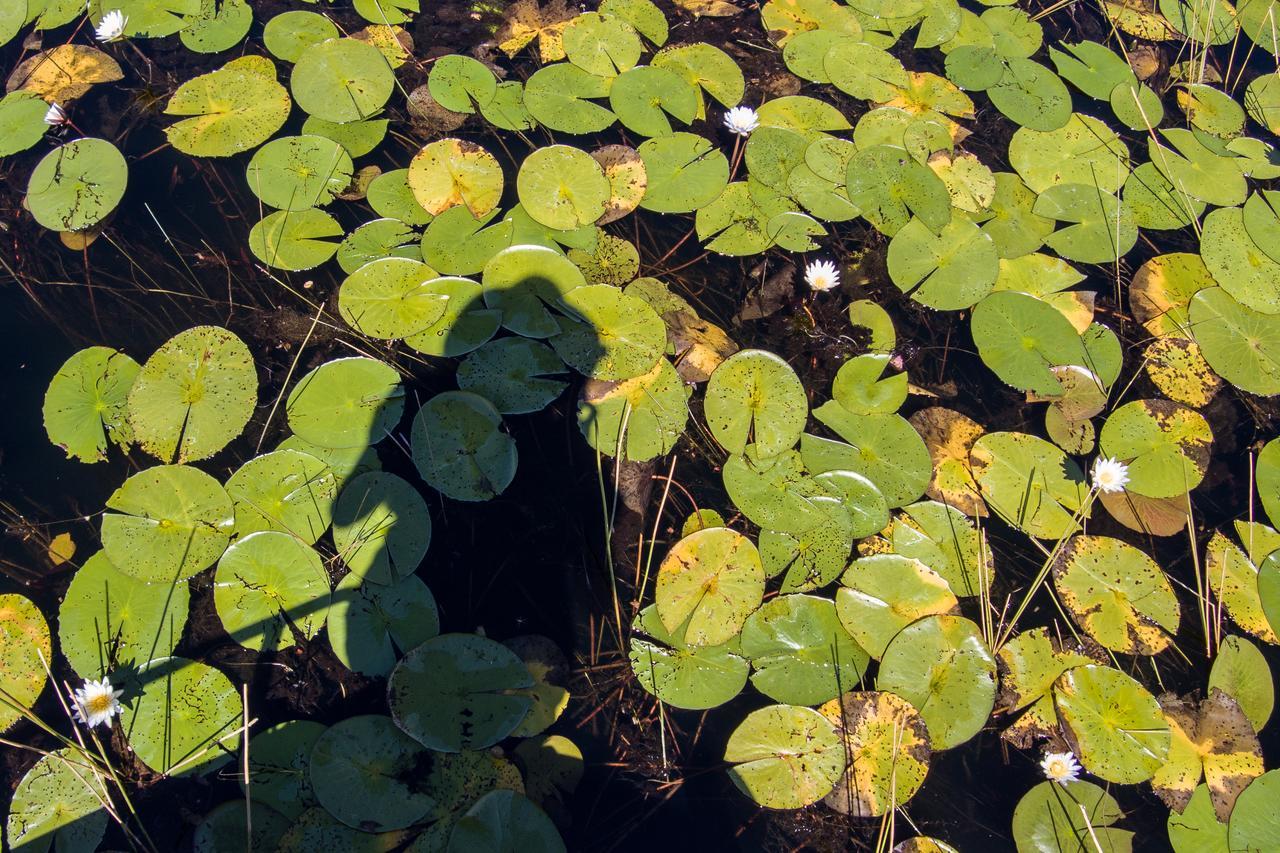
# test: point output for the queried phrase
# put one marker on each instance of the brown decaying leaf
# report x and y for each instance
(64, 73)
(627, 180)
(526, 20)
(949, 436)
(1215, 738)
(708, 8)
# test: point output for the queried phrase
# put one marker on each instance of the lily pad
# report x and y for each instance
(295, 240)
(884, 593)
(347, 402)
(271, 591)
(56, 804)
(451, 172)
(77, 185)
(890, 747)
(26, 652)
(341, 80)
(683, 676)
(1029, 482)
(505, 819)
(1072, 817)
(562, 187)
(1166, 446)
(755, 397)
(455, 692)
(86, 403)
(235, 108)
(364, 772)
(392, 298)
(611, 335)
(297, 172)
(785, 756)
(707, 586)
(1115, 725)
(1241, 345)
(185, 720)
(1240, 670)
(371, 625)
(286, 490)
(460, 449)
(800, 652)
(381, 527)
(947, 271)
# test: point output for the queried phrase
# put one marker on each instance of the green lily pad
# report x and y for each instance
(26, 653)
(1240, 670)
(460, 449)
(279, 757)
(646, 98)
(685, 171)
(22, 119)
(799, 651)
(286, 490)
(1254, 820)
(1031, 95)
(235, 108)
(707, 586)
(814, 557)
(889, 743)
(1166, 446)
(512, 374)
(376, 240)
(785, 756)
(562, 187)
(1117, 594)
(347, 402)
(109, 620)
(1237, 263)
(559, 97)
(522, 280)
(707, 67)
(381, 527)
(889, 187)
(1115, 725)
(1240, 344)
(77, 185)
(612, 335)
(57, 804)
(224, 828)
(1021, 337)
(390, 196)
(392, 298)
(454, 692)
(86, 403)
(1197, 829)
(1196, 170)
(288, 34)
(755, 397)
(185, 719)
(297, 172)
(1209, 23)
(884, 448)
(341, 80)
(948, 271)
(941, 537)
(1071, 817)
(941, 665)
(294, 240)
(882, 594)
(1029, 483)
(1083, 151)
(863, 71)
(167, 523)
(271, 591)
(371, 624)
(777, 493)
(505, 819)
(465, 325)
(364, 772)
(1102, 227)
(695, 677)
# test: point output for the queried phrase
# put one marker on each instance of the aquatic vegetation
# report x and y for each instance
(892, 565)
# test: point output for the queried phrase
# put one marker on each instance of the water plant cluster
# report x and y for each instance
(884, 575)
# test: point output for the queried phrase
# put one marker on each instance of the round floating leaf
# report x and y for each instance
(381, 238)
(1197, 829)
(316, 829)
(1071, 816)
(949, 436)
(883, 448)
(505, 819)
(452, 172)
(1117, 594)
(813, 557)
(1233, 577)
(1161, 290)
(615, 336)
(1021, 337)
(392, 298)
(1029, 482)
(889, 187)
(363, 772)
(562, 187)
(603, 45)
(57, 804)
(1240, 670)
(460, 449)
(1237, 263)
(549, 669)
(218, 27)
(1083, 151)
(890, 747)
(638, 418)
(271, 591)
(776, 492)
(109, 620)
(390, 195)
(26, 653)
(167, 523)
(941, 666)
(86, 403)
(455, 692)
(1240, 344)
(1116, 726)
(464, 326)
(77, 185)
(287, 490)
(685, 171)
(627, 180)
(1102, 227)
(369, 622)
(1212, 738)
(341, 80)
(1156, 203)
(708, 584)
(297, 172)
(288, 34)
(683, 677)
(518, 280)
(224, 828)
(645, 96)
(884, 593)
(1209, 23)
(278, 760)
(863, 71)
(1031, 95)
(294, 240)
(1197, 171)
(194, 395)
(347, 402)
(21, 120)
(381, 527)
(185, 718)
(460, 83)
(1166, 446)
(557, 97)
(1255, 820)
(755, 397)
(947, 271)
(799, 652)
(785, 756)
(233, 109)
(511, 373)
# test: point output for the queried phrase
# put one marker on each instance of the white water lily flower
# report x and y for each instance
(55, 116)
(822, 275)
(1060, 767)
(96, 703)
(1110, 475)
(741, 120)
(111, 27)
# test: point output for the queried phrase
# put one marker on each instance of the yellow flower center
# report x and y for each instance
(99, 704)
